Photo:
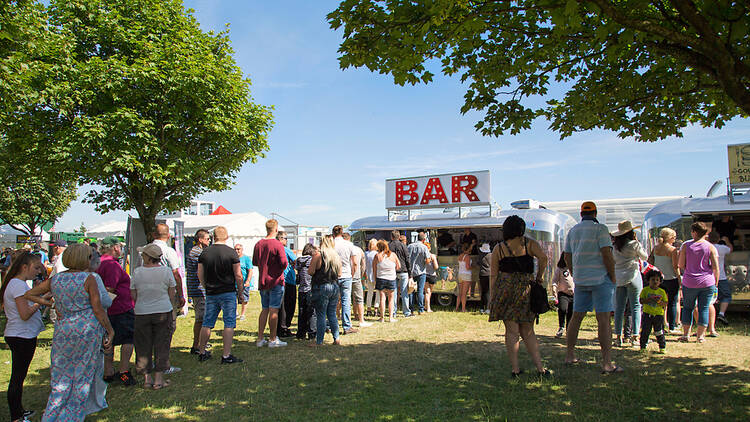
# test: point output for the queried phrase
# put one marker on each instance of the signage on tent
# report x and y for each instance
(443, 190)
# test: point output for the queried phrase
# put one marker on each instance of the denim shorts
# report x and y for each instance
(226, 303)
(383, 284)
(725, 291)
(597, 298)
(271, 298)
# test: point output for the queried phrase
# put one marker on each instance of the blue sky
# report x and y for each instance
(339, 134)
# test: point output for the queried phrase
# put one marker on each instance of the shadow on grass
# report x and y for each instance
(414, 380)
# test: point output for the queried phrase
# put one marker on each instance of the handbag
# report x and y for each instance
(412, 285)
(539, 303)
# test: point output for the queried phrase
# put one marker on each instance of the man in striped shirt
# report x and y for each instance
(588, 254)
(194, 289)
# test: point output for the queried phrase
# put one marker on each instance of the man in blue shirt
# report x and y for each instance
(246, 266)
(588, 254)
(419, 256)
(286, 313)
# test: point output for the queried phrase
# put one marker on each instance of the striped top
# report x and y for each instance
(584, 242)
(194, 288)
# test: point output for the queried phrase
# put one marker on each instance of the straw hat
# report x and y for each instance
(624, 227)
(485, 248)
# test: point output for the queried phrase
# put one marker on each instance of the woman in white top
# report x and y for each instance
(153, 290)
(384, 267)
(24, 323)
(627, 251)
(431, 278)
(373, 296)
(665, 258)
(464, 276)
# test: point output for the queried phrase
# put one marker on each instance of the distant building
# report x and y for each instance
(611, 211)
(196, 207)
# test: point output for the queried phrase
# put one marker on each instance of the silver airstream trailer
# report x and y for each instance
(679, 214)
(445, 229)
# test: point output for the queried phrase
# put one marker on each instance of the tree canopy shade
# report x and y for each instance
(643, 68)
(161, 112)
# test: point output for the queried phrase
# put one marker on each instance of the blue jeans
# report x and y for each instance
(325, 298)
(703, 296)
(630, 292)
(402, 279)
(419, 294)
(226, 303)
(345, 288)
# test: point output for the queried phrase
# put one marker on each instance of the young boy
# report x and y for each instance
(654, 301)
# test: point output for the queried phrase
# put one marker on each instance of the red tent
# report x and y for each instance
(220, 211)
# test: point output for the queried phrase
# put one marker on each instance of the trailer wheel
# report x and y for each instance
(445, 299)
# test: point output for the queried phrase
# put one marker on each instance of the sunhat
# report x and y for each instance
(624, 227)
(110, 241)
(151, 250)
(485, 248)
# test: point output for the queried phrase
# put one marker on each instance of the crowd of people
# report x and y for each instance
(97, 306)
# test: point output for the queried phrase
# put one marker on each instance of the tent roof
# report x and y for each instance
(221, 211)
(246, 224)
(111, 228)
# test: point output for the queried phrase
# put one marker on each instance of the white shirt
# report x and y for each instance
(15, 326)
(58, 266)
(358, 254)
(723, 251)
(345, 249)
(169, 256)
(151, 285)
(627, 269)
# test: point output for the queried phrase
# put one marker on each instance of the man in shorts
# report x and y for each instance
(195, 291)
(120, 314)
(358, 292)
(219, 273)
(588, 254)
(723, 248)
(246, 266)
(270, 258)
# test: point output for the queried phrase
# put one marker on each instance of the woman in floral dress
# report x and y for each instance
(81, 330)
(511, 273)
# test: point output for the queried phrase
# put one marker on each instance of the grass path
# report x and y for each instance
(439, 366)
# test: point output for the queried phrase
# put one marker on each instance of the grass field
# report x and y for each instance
(439, 366)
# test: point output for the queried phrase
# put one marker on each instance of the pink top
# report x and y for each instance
(698, 271)
(116, 278)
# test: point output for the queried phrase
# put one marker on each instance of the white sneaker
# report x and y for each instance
(262, 342)
(276, 343)
(365, 324)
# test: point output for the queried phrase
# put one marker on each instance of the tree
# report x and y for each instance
(161, 112)
(37, 185)
(643, 68)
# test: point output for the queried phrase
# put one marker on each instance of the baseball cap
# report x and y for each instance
(588, 206)
(60, 242)
(151, 250)
(110, 240)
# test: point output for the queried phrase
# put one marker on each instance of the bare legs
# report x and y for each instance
(525, 330)
(126, 351)
(197, 334)
(270, 316)
(604, 324)
(463, 290)
(427, 296)
(389, 294)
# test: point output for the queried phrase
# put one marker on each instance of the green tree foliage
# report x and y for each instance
(161, 112)
(643, 68)
(37, 185)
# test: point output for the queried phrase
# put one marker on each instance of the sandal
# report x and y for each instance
(573, 362)
(516, 375)
(701, 339)
(682, 339)
(165, 384)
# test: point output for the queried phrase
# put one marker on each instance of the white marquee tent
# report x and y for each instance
(8, 236)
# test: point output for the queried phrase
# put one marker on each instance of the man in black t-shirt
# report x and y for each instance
(221, 276)
(402, 275)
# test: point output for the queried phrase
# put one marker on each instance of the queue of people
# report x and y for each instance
(99, 306)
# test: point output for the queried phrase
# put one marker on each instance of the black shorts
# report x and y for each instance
(432, 279)
(124, 326)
